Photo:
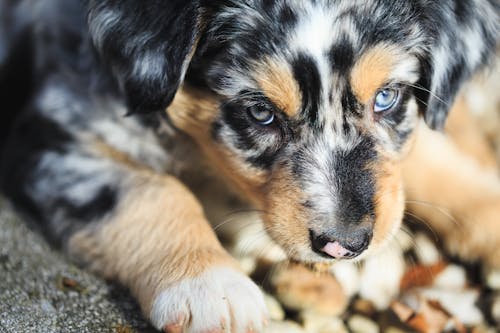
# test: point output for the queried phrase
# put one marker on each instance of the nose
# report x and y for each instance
(341, 246)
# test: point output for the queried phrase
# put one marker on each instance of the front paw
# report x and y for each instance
(218, 300)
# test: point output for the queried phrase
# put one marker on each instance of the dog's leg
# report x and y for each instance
(159, 244)
(146, 230)
(453, 185)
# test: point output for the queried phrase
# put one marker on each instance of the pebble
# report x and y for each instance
(275, 309)
(394, 330)
(460, 304)
(452, 277)
(283, 327)
(484, 329)
(404, 239)
(425, 250)
(493, 278)
(315, 323)
(247, 264)
(361, 324)
(364, 307)
(495, 309)
(47, 307)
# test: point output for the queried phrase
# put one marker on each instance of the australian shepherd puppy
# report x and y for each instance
(308, 109)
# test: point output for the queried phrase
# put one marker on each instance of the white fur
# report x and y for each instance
(56, 103)
(347, 274)
(128, 136)
(149, 64)
(440, 65)
(56, 175)
(102, 21)
(474, 45)
(313, 36)
(220, 298)
(314, 32)
(381, 275)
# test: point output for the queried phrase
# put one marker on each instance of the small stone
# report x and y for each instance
(247, 264)
(495, 309)
(364, 307)
(460, 304)
(361, 324)
(393, 330)
(427, 253)
(283, 327)
(405, 239)
(484, 329)
(316, 323)
(275, 309)
(493, 278)
(47, 307)
(452, 277)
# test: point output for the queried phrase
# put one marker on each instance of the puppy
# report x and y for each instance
(305, 108)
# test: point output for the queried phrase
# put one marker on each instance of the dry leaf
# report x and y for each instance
(430, 317)
(66, 284)
(421, 276)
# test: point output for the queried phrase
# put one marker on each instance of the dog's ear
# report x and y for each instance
(147, 44)
(461, 40)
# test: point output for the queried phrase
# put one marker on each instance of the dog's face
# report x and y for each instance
(308, 108)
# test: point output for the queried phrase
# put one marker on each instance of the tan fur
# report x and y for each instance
(284, 217)
(483, 101)
(276, 80)
(194, 113)
(106, 151)
(389, 201)
(176, 241)
(457, 195)
(373, 70)
(279, 194)
(465, 132)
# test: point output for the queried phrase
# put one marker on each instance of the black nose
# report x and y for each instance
(341, 246)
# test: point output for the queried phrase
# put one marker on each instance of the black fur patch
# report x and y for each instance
(306, 73)
(31, 136)
(147, 50)
(104, 201)
(355, 182)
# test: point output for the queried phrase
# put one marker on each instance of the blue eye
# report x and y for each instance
(385, 99)
(261, 115)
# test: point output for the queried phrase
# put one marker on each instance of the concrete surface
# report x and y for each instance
(42, 291)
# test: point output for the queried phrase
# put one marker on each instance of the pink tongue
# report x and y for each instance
(335, 250)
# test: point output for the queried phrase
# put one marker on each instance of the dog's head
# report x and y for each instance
(307, 106)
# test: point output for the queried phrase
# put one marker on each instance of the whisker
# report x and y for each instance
(428, 91)
(427, 224)
(233, 215)
(437, 208)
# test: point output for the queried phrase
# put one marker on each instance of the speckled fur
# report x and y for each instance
(128, 101)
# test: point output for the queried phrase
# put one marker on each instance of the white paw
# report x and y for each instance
(219, 300)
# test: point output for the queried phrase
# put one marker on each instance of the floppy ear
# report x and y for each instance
(462, 39)
(147, 44)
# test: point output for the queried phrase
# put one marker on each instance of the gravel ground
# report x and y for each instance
(42, 292)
